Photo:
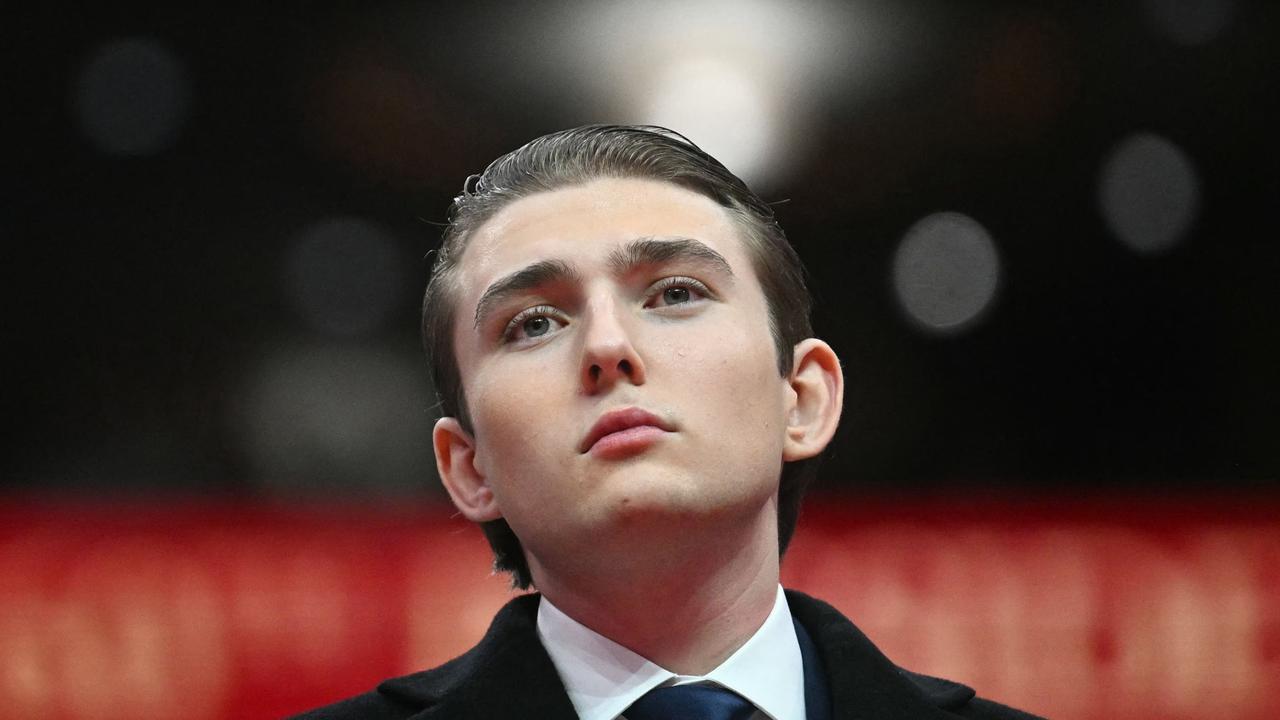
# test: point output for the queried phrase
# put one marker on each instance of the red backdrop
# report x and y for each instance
(1136, 609)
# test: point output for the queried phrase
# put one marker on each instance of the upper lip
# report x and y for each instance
(621, 419)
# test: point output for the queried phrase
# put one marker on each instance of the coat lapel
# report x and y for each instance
(863, 683)
(507, 675)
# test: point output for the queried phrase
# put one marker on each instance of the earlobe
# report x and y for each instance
(456, 460)
(815, 400)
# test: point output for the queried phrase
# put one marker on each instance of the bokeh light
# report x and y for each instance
(946, 272)
(741, 78)
(1189, 22)
(722, 108)
(344, 275)
(132, 98)
(328, 422)
(1149, 193)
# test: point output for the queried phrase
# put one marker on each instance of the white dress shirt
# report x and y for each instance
(603, 678)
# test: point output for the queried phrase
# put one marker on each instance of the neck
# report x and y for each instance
(685, 605)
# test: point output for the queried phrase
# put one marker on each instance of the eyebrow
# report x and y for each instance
(657, 251)
(637, 253)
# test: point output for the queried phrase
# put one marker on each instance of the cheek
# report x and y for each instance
(737, 421)
(514, 413)
(733, 368)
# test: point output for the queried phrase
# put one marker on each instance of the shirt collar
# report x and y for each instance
(603, 678)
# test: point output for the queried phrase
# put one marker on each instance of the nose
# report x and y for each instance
(608, 354)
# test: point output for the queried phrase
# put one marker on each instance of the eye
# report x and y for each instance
(676, 291)
(533, 323)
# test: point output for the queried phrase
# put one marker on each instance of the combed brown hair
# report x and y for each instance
(577, 156)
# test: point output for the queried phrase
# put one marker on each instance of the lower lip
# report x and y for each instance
(626, 442)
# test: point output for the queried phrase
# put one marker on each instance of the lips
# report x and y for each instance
(618, 421)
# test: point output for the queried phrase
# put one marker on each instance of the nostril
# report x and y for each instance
(594, 372)
(624, 366)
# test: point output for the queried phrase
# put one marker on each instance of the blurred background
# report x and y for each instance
(1042, 237)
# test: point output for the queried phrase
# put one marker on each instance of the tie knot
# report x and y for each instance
(690, 702)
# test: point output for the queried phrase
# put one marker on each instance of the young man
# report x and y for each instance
(619, 334)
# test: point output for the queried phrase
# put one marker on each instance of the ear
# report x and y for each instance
(815, 400)
(456, 461)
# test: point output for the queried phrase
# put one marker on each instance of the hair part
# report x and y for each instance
(575, 157)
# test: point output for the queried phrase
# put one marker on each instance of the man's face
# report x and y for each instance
(592, 301)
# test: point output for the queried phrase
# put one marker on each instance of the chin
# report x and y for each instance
(667, 501)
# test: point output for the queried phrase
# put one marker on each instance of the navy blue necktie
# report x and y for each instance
(690, 702)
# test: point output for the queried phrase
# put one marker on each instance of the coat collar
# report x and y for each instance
(509, 674)
(862, 681)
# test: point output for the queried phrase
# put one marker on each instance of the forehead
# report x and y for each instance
(581, 224)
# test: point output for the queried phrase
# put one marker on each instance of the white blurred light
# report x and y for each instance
(1189, 22)
(721, 108)
(946, 271)
(346, 420)
(132, 98)
(615, 61)
(344, 276)
(1149, 193)
(739, 77)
